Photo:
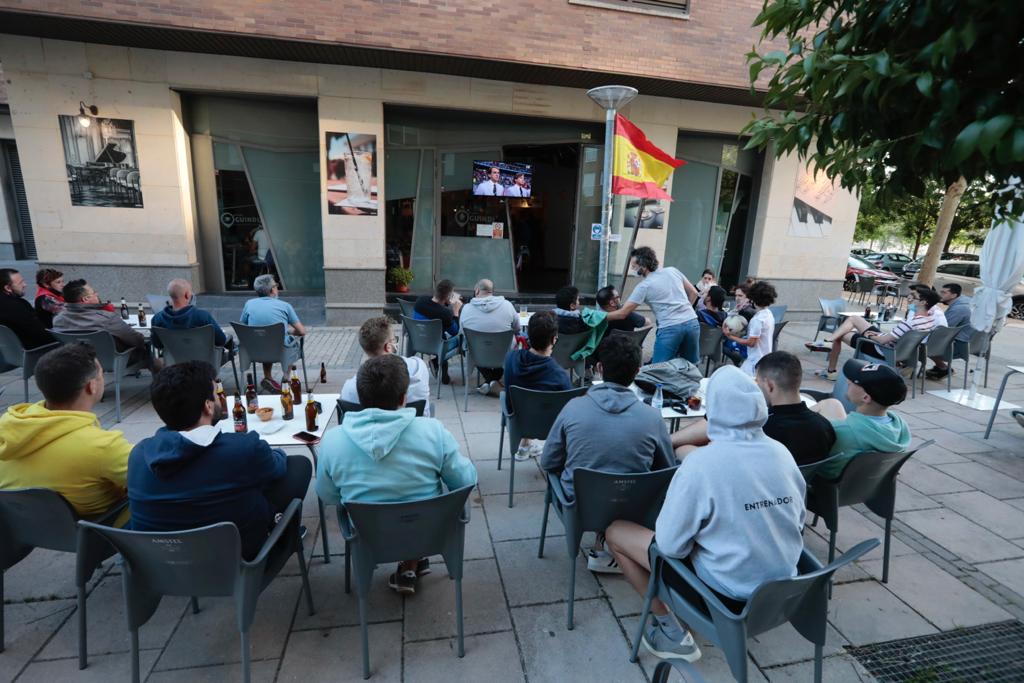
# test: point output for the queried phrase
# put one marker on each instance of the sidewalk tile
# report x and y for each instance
(335, 607)
(839, 669)
(959, 535)
(101, 669)
(530, 580)
(27, 626)
(1010, 573)
(430, 614)
(928, 480)
(865, 613)
(262, 672)
(991, 513)
(784, 645)
(985, 479)
(523, 520)
(491, 657)
(336, 655)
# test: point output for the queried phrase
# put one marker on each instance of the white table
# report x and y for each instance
(1012, 370)
(891, 321)
(283, 437)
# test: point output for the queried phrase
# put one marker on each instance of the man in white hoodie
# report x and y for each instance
(489, 313)
(733, 512)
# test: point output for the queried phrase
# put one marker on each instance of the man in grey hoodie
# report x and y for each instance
(733, 512)
(608, 429)
(487, 312)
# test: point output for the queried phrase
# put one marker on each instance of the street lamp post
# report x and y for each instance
(611, 98)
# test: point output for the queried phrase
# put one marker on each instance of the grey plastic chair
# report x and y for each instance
(810, 470)
(376, 533)
(565, 346)
(113, 361)
(838, 392)
(349, 407)
(41, 518)
(940, 345)
(779, 312)
(802, 601)
(405, 306)
(601, 498)
(202, 562)
(157, 302)
(980, 345)
(426, 337)
(197, 343)
(828, 321)
(638, 335)
(777, 333)
(529, 414)
(865, 287)
(868, 478)
(711, 346)
(16, 355)
(265, 344)
(484, 350)
(909, 350)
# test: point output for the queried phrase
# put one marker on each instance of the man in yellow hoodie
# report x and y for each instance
(58, 443)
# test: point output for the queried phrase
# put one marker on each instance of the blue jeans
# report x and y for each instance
(678, 341)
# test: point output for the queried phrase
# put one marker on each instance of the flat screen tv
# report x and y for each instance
(502, 179)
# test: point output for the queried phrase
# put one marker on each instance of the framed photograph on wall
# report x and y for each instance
(102, 161)
(351, 174)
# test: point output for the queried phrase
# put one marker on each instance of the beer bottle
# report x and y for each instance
(296, 385)
(310, 414)
(142, 315)
(286, 400)
(251, 400)
(222, 398)
(323, 374)
(238, 415)
(124, 309)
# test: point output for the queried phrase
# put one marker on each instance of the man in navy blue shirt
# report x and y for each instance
(182, 314)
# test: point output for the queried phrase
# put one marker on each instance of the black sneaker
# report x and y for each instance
(403, 583)
(270, 386)
(423, 567)
(937, 373)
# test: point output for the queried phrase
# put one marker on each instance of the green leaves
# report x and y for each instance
(924, 83)
(966, 142)
(994, 129)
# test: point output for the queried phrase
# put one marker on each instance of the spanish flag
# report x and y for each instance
(640, 169)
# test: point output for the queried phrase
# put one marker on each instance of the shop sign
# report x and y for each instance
(595, 231)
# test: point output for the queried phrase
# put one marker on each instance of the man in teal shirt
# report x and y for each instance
(267, 309)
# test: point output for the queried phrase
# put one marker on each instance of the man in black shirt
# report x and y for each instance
(17, 313)
(608, 300)
(567, 309)
(445, 306)
(807, 435)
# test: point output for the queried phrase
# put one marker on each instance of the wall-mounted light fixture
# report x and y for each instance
(85, 119)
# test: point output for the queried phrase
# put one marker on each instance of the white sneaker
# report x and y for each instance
(536, 449)
(484, 389)
(523, 454)
(602, 562)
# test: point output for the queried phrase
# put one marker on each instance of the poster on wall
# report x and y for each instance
(351, 174)
(812, 205)
(102, 161)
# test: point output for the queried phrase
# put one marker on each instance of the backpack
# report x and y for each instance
(679, 378)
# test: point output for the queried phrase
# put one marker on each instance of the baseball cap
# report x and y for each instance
(882, 383)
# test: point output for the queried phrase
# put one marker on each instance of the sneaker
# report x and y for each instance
(830, 375)
(423, 567)
(270, 386)
(536, 449)
(602, 562)
(403, 583)
(484, 389)
(523, 454)
(937, 373)
(1018, 415)
(660, 645)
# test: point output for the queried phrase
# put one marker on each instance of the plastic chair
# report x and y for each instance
(157, 302)
(349, 407)
(940, 345)
(868, 478)
(801, 601)
(565, 346)
(202, 562)
(775, 335)
(710, 346)
(112, 360)
(266, 345)
(601, 498)
(17, 356)
(41, 518)
(779, 312)
(909, 350)
(484, 350)
(838, 392)
(811, 469)
(426, 337)
(829, 319)
(406, 308)
(980, 345)
(529, 414)
(376, 533)
(197, 343)
(638, 335)
(865, 286)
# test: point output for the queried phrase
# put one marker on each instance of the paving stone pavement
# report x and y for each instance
(958, 560)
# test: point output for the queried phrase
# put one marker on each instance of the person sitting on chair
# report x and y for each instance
(385, 454)
(445, 305)
(375, 339)
(18, 314)
(268, 309)
(609, 300)
(711, 314)
(567, 311)
(182, 314)
(49, 295)
(487, 312)
(958, 312)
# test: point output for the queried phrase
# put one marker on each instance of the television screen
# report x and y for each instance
(502, 179)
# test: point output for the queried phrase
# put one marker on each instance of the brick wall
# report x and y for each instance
(707, 48)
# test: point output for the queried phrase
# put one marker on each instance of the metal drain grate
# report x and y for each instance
(994, 652)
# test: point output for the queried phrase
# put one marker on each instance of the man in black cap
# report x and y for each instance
(873, 388)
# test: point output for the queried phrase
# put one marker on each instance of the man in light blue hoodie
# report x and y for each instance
(733, 513)
(385, 454)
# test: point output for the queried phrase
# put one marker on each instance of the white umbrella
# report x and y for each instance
(1002, 265)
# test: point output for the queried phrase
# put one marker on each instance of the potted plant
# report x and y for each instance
(400, 278)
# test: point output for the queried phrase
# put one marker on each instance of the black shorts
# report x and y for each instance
(868, 349)
(687, 592)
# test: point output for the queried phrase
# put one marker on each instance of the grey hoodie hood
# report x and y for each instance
(611, 397)
(487, 304)
(735, 406)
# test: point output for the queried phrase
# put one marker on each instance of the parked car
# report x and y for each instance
(861, 252)
(856, 269)
(959, 256)
(914, 267)
(892, 261)
(967, 274)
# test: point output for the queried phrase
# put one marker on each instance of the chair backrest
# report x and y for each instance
(811, 469)
(977, 345)
(261, 344)
(196, 343)
(34, 518)
(711, 342)
(867, 475)
(941, 339)
(839, 392)
(906, 346)
(533, 412)
(487, 349)
(568, 344)
(865, 284)
(638, 336)
(157, 302)
(100, 340)
(836, 306)
(825, 306)
(196, 562)
(425, 336)
(406, 306)
(349, 407)
(392, 532)
(778, 331)
(779, 312)
(603, 497)
(11, 350)
(903, 288)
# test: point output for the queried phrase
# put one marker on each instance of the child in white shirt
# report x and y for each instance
(761, 329)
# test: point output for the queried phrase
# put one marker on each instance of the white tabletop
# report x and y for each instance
(1017, 368)
(133, 322)
(893, 320)
(284, 429)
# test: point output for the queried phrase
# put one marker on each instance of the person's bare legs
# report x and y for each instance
(830, 409)
(268, 371)
(695, 434)
(844, 333)
(628, 542)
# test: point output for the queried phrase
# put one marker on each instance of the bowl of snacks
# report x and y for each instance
(265, 414)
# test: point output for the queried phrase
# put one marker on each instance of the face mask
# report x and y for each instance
(633, 272)
(913, 309)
